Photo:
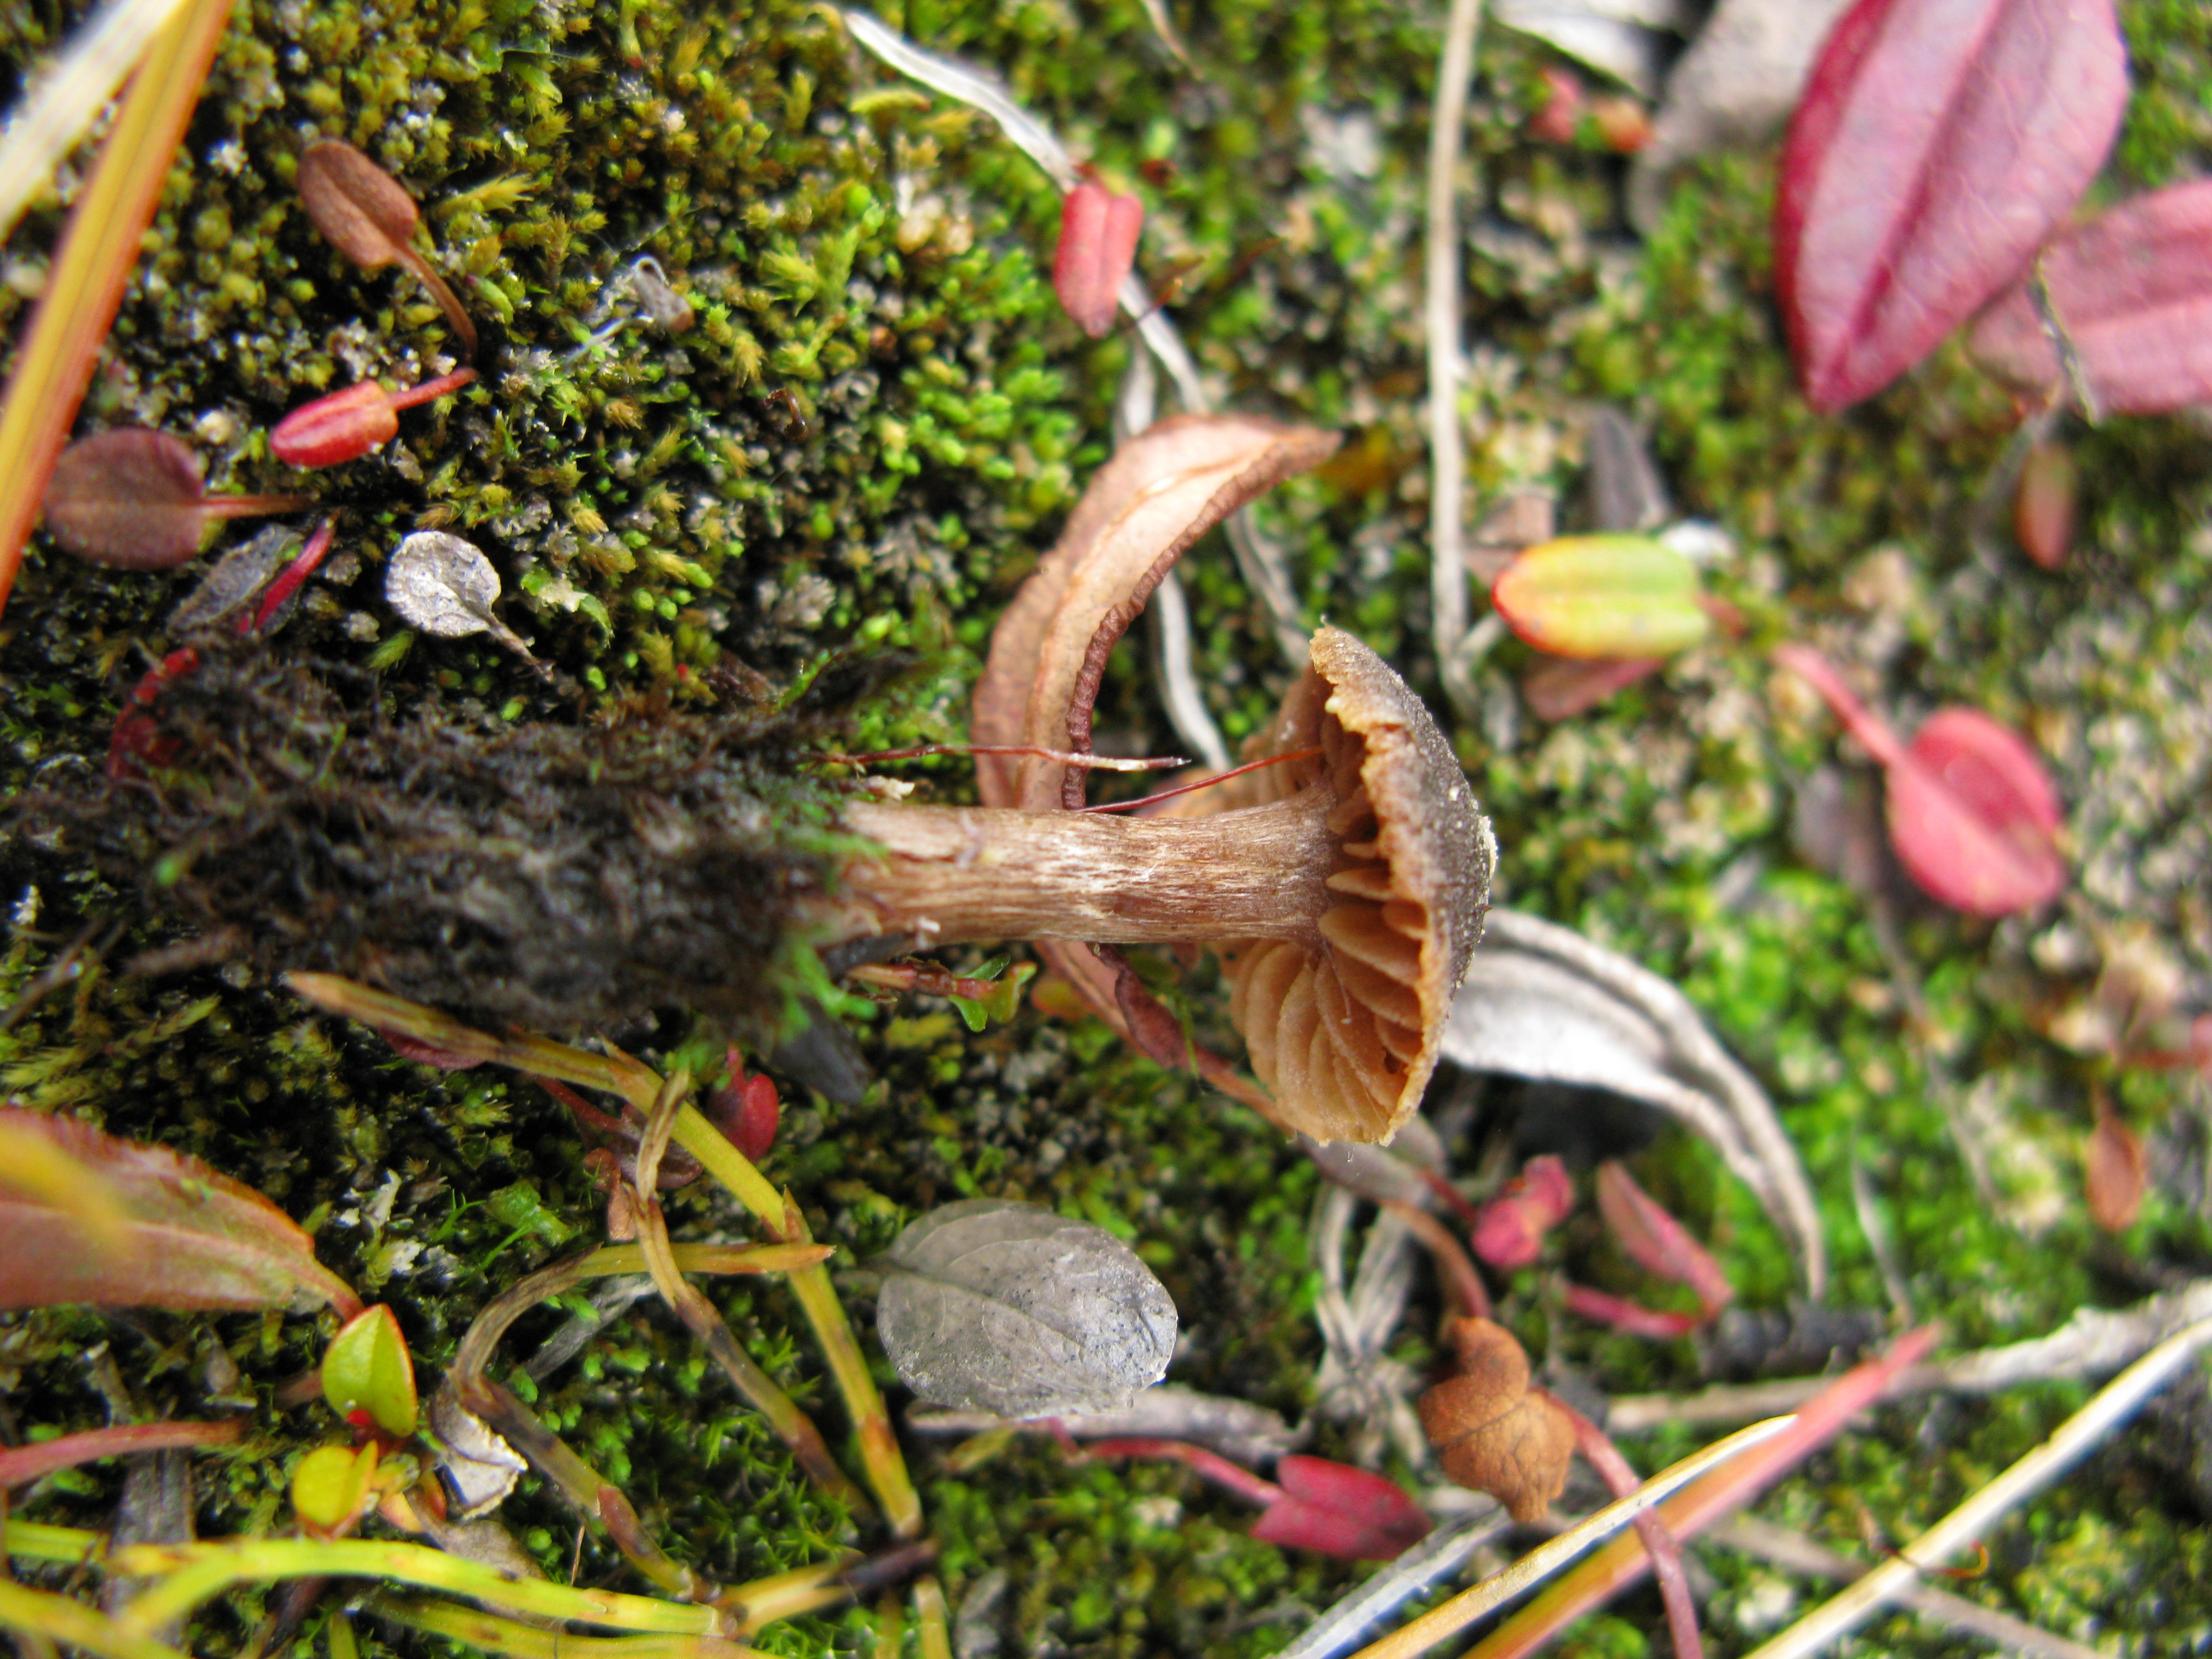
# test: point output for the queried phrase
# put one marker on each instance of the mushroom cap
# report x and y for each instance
(1344, 1028)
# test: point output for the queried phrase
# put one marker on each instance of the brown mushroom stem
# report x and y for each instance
(952, 874)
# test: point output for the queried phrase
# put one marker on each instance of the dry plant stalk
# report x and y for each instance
(99, 247)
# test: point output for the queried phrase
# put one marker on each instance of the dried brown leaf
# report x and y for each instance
(130, 497)
(1490, 1432)
(368, 216)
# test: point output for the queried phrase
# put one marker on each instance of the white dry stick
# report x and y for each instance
(61, 105)
(2094, 1342)
(2077, 1436)
(1442, 1552)
(1440, 1623)
(1447, 465)
(1258, 559)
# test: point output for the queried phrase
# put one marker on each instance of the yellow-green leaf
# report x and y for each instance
(367, 1370)
(332, 1485)
(1602, 596)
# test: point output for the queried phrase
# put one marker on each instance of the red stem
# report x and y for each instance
(1660, 1544)
(1462, 1283)
(1203, 783)
(424, 391)
(1869, 728)
(288, 579)
(22, 1463)
(253, 507)
(1233, 1477)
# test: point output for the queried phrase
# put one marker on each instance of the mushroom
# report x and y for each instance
(1345, 889)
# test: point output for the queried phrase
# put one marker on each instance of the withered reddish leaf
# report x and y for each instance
(130, 497)
(1937, 144)
(1972, 815)
(1510, 1230)
(1489, 1431)
(1098, 232)
(1337, 1510)
(2043, 508)
(1655, 1241)
(2115, 1175)
(362, 210)
(192, 1239)
(2133, 289)
(1562, 689)
(1145, 509)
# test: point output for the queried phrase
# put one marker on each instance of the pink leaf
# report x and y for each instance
(1938, 143)
(1510, 1231)
(2133, 289)
(1098, 247)
(2116, 1179)
(2043, 508)
(186, 1237)
(1655, 1241)
(1338, 1509)
(1972, 815)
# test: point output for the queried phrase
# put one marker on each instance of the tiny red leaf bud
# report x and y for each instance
(1098, 247)
(342, 426)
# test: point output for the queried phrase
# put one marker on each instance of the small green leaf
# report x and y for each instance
(332, 1485)
(1602, 596)
(367, 1377)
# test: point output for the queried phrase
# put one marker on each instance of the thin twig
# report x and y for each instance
(1795, 1552)
(1440, 311)
(2094, 1342)
(2073, 373)
(2077, 1436)
(1258, 559)
(1661, 1544)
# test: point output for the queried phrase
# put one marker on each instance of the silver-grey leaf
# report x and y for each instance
(1541, 1001)
(441, 585)
(1003, 1307)
(236, 577)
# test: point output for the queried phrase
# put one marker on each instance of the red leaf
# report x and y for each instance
(1655, 1241)
(2133, 289)
(1972, 814)
(1938, 143)
(339, 426)
(1098, 247)
(186, 1237)
(1973, 818)
(1338, 1509)
(1510, 1231)
(746, 1108)
(2116, 1176)
(2043, 509)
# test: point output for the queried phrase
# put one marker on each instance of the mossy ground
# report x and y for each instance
(870, 435)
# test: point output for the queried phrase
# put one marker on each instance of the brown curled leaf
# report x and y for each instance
(1490, 1432)
(368, 216)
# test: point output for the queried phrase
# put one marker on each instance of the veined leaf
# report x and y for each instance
(1602, 596)
(1938, 144)
(1017, 1311)
(2133, 290)
(188, 1238)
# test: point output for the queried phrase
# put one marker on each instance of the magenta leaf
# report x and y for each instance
(1655, 1241)
(1510, 1231)
(2133, 290)
(1337, 1510)
(1938, 143)
(175, 1235)
(1972, 815)
(1098, 247)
